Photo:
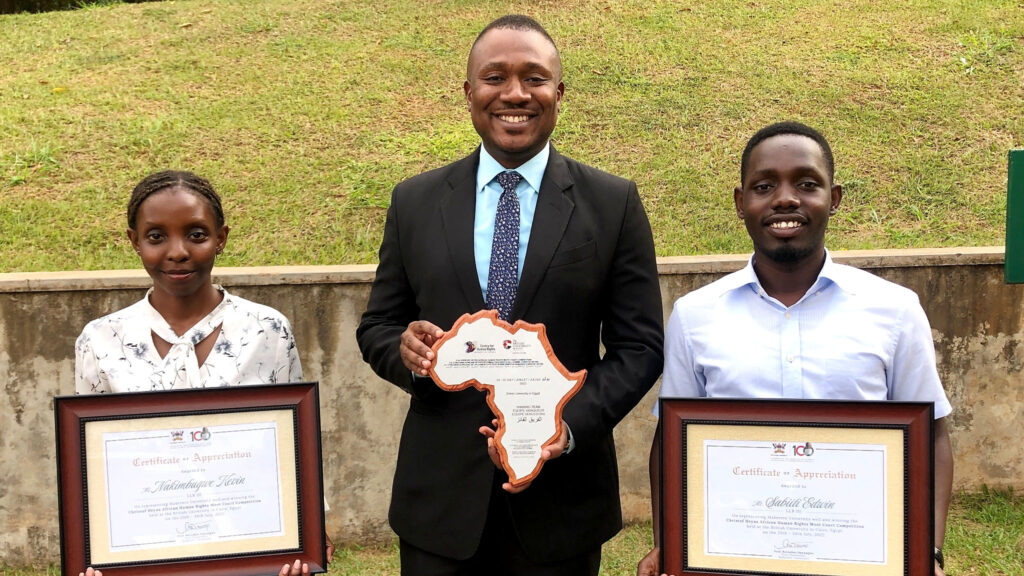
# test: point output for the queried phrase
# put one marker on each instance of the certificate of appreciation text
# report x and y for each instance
(791, 499)
(801, 500)
(202, 485)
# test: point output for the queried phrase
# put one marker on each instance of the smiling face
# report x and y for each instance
(177, 236)
(787, 198)
(514, 90)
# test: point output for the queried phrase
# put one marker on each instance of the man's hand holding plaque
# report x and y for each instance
(527, 387)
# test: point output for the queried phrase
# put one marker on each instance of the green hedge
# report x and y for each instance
(15, 6)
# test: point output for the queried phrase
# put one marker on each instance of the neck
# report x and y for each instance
(511, 162)
(787, 282)
(183, 312)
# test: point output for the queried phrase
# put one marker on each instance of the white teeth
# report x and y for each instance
(786, 224)
(514, 119)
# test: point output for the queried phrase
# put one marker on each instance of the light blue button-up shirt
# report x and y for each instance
(853, 336)
(488, 191)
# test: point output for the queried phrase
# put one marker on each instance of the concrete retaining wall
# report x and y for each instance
(977, 322)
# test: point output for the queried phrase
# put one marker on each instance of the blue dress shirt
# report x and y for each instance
(488, 191)
(853, 336)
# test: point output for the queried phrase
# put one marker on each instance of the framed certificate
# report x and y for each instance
(211, 481)
(796, 487)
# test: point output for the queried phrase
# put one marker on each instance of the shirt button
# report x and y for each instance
(787, 314)
(789, 359)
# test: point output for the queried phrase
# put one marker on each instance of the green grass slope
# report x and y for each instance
(305, 113)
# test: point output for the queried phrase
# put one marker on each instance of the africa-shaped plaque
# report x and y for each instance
(527, 387)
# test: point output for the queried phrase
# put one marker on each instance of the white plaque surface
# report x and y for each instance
(791, 500)
(526, 385)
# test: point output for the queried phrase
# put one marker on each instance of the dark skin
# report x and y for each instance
(785, 201)
(178, 239)
(513, 92)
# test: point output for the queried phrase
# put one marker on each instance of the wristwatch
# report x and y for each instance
(939, 558)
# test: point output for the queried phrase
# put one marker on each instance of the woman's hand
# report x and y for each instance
(294, 569)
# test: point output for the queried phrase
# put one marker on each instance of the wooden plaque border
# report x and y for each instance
(72, 412)
(512, 329)
(914, 419)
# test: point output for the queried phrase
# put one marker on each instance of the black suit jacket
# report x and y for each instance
(590, 276)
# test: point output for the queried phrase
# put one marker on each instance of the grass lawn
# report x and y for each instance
(305, 113)
(985, 537)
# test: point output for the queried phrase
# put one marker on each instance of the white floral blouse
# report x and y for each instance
(115, 353)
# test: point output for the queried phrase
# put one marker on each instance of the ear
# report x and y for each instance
(222, 238)
(559, 92)
(468, 90)
(134, 239)
(837, 197)
(737, 198)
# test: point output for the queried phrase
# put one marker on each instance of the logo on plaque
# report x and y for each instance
(526, 385)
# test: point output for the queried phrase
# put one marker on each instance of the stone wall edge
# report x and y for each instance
(364, 273)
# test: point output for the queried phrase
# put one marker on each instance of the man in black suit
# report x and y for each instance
(584, 267)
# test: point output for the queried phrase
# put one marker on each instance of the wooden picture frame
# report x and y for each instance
(184, 482)
(741, 487)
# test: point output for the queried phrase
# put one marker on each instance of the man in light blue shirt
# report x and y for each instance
(793, 323)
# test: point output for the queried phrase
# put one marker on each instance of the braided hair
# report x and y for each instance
(159, 181)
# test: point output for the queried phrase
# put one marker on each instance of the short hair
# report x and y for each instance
(515, 22)
(780, 129)
(159, 181)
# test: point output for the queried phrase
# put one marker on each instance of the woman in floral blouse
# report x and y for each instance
(186, 332)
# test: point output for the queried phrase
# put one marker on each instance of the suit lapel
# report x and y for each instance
(549, 221)
(458, 211)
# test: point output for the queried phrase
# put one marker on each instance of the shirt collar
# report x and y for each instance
(838, 275)
(831, 273)
(532, 170)
(159, 325)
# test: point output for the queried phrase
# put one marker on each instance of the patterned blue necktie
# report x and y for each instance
(503, 273)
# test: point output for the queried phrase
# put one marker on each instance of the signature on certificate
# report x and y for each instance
(194, 527)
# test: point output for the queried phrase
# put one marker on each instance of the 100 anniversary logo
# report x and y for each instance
(202, 435)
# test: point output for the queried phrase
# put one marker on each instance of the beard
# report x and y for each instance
(787, 253)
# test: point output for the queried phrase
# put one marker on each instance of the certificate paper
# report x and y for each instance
(191, 486)
(792, 499)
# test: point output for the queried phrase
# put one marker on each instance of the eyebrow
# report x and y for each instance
(502, 64)
(192, 224)
(799, 171)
